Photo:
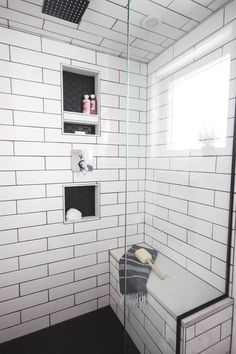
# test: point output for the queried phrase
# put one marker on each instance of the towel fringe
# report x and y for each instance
(136, 299)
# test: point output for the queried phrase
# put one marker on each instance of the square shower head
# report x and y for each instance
(69, 10)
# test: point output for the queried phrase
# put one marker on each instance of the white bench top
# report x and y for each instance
(181, 291)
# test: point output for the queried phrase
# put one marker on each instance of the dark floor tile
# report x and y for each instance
(98, 332)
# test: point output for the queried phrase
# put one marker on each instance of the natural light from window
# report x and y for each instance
(200, 107)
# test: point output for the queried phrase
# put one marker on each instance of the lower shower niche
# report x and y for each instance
(81, 202)
(80, 129)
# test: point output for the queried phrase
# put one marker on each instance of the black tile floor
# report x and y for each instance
(98, 332)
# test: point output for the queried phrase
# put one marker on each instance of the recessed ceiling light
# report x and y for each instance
(151, 22)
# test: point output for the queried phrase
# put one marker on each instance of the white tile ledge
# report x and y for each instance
(180, 284)
(210, 310)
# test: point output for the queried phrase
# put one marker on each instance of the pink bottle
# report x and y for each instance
(86, 104)
(93, 104)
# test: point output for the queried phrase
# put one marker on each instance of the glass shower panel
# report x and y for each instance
(178, 174)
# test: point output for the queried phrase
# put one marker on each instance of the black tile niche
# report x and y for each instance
(82, 198)
(75, 86)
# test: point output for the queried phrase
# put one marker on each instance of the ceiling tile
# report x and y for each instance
(104, 27)
(139, 32)
(167, 43)
(138, 43)
(107, 43)
(190, 9)
(41, 32)
(203, 30)
(70, 32)
(169, 31)
(34, 10)
(123, 48)
(59, 21)
(20, 17)
(150, 56)
(189, 25)
(133, 57)
(230, 12)
(136, 18)
(25, 7)
(123, 3)
(36, 2)
(98, 18)
(95, 47)
(162, 2)
(217, 4)
(204, 2)
(103, 32)
(109, 8)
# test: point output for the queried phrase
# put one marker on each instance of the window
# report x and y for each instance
(200, 107)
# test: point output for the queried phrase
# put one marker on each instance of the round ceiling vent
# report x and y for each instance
(151, 22)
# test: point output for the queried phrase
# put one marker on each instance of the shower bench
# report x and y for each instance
(153, 328)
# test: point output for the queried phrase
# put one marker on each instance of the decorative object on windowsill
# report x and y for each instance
(207, 135)
(209, 142)
(82, 161)
(73, 215)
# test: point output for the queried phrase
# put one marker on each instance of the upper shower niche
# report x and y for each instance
(77, 82)
(68, 10)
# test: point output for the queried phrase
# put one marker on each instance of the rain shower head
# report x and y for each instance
(69, 10)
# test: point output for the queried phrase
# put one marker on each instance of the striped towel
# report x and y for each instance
(134, 275)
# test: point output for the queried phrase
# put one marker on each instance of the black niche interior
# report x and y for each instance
(81, 198)
(71, 128)
(75, 86)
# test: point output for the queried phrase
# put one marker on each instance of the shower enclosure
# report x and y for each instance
(151, 165)
(184, 174)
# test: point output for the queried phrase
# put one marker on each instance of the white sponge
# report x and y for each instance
(145, 257)
(73, 215)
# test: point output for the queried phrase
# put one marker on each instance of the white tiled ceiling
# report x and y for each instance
(104, 27)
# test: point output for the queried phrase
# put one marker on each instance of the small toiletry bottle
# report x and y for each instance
(86, 104)
(93, 104)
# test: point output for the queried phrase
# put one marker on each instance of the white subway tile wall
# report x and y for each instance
(50, 271)
(187, 189)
